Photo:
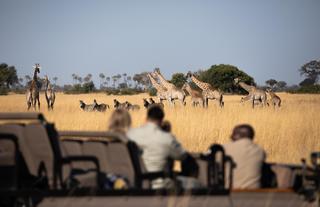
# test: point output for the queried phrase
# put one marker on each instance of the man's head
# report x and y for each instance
(242, 131)
(155, 114)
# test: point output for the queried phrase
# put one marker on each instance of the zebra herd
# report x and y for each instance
(102, 107)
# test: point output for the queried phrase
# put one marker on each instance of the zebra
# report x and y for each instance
(87, 107)
(118, 105)
(132, 107)
(152, 102)
(100, 107)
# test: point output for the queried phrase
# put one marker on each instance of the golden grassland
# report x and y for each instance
(287, 134)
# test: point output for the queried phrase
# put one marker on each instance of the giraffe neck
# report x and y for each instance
(245, 86)
(155, 84)
(189, 89)
(35, 76)
(272, 94)
(164, 82)
(199, 83)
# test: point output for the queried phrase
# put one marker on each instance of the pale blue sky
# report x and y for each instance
(266, 39)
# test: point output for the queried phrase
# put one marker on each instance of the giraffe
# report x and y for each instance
(254, 93)
(49, 94)
(196, 96)
(33, 92)
(172, 90)
(275, 99)
(208, 92)
(161, 91)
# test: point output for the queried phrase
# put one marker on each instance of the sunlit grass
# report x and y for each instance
(287, 134)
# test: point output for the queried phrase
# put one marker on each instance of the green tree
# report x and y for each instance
(142, 79)
(55, 79)
(281, 84)
(8, 76)
(178, 79)
(222, 77)
(307, 82)
(311, 70)
(101, 76)
(88, 87)
(271, 82)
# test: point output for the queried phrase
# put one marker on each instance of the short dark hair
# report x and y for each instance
(155, 113)
(243, 131)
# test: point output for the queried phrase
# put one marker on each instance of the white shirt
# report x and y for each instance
(249, 158)
(157, 146)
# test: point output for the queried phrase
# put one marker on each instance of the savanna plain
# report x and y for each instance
(287, 134)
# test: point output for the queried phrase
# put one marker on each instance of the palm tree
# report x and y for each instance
(101, 76)
(108, 80)
(55, 80)
(118, 78)
(74, 77)
(79, 79)
(87, 78)
(129, 78)
(124, 75)
(114, 78)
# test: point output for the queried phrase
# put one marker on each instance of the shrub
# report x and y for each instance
(314, 89)
(152, 92)
(3, 91)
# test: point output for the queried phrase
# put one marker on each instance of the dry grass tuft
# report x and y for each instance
(287, 134)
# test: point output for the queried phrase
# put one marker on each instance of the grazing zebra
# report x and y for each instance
(118, 105)
(100, 107)
(146, 103)
(132, 107)
(49, 94)
(87, 107)
(152, 102)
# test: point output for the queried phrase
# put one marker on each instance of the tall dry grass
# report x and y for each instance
(287, 134)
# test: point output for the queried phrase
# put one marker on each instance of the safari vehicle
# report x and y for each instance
(40, 166)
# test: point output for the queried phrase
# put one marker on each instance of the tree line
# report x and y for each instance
(219, 76)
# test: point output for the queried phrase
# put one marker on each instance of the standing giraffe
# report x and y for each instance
(275, 99)
(33, 92)
(196, 96)
(161, 91)
(208, 91)
(172, 90)
(49, 93)
(254, 93)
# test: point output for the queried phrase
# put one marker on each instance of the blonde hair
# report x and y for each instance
(120, 121)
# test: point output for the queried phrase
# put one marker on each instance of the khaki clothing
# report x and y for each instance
(249, 159)
(157, 146)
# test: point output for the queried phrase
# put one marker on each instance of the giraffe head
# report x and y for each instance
(268, 90)
(37, 68)
(189, 74)
(157, 70)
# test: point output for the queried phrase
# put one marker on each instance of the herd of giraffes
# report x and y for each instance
(166, 91)
(33, 93)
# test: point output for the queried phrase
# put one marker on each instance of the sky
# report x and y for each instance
(266, 39)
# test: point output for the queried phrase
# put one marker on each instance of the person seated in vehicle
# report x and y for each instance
(158, 146)
(248, 157)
